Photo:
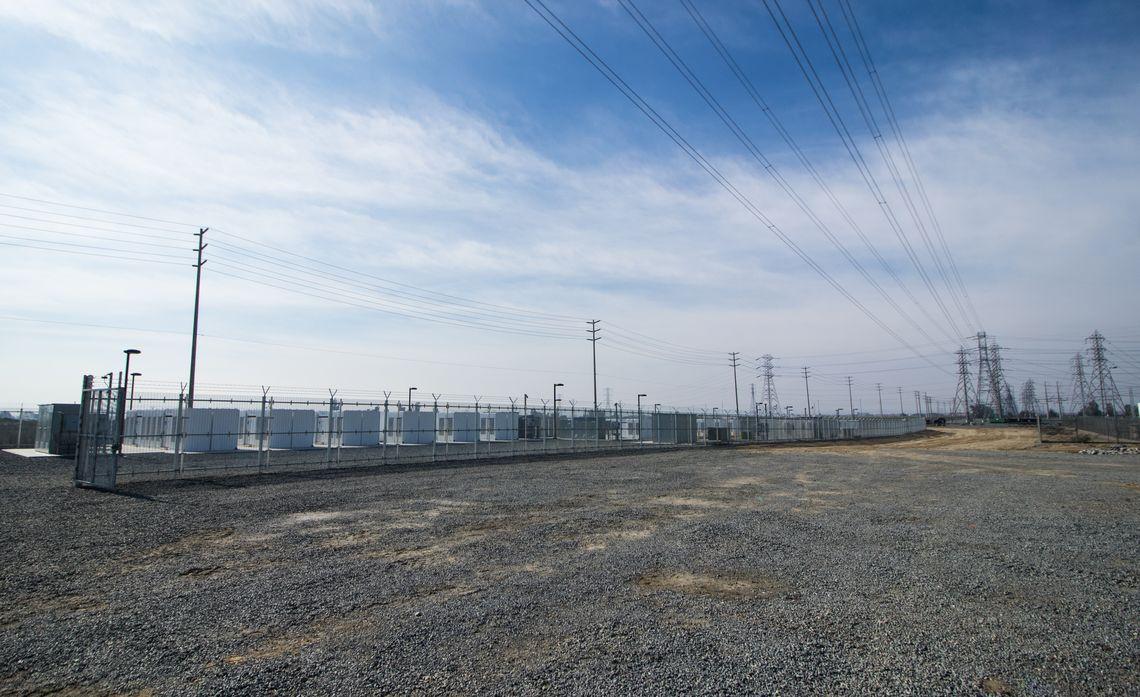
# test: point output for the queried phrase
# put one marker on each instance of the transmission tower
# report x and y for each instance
(1080, 393)
(1029, 396)
(1001, 385)
(1110, 401)
(990, 376)
(962, 393)
(768, 373)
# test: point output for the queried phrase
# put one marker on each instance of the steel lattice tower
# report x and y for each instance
(1102, 376)
(962, 393)
(1080, 395)
(990, 376)
(768, 373)
(1029, 396)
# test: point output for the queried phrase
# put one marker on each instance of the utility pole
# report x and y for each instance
(201, 234)
(593, 331)
(807, 389)
(879, 389)
(735, 360)
(902, 409)
(850, 400)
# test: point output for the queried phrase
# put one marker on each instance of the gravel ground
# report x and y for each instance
(912, 569)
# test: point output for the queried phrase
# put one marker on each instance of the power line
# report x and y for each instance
(726, 118)
(786, 136)
(602, 67)
(840, 55)
(823, 96)
(876, 79)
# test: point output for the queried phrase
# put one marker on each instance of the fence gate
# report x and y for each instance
(96, 454)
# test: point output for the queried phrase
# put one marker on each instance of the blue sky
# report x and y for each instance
(464, 148)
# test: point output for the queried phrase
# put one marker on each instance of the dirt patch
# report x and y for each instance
(728, 585)
(690, 502)
(992, 685)
(949, 438)
(201, 571)
(190, 543)
(596, 543)
(291, 642)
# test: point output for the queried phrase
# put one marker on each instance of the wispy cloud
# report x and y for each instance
(436, 192)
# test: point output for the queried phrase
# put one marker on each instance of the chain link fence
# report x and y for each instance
(156, 435)
(1091, 429)
(18, 427)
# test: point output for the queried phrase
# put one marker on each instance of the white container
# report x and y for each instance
(292, 429)
(465, 427)
(149, 429)
(360, 427)
(417, 427)
(210, 430)
(506, 425)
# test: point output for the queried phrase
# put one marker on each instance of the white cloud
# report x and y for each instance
(123, 27)
(437, 195)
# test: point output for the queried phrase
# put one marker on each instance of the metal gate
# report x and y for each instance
(97, 450)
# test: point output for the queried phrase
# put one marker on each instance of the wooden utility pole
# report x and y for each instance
(201, 234)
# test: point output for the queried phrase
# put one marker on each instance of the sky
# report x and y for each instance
(440, 193)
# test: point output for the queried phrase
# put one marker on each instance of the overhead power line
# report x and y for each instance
(835, 117)
(823, 21)
(769, 168)
(635, 98)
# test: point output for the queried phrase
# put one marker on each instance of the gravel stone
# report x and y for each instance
(901, 569)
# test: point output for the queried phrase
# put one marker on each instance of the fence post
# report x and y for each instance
(261, 426)
(435, 420)
(516, 424)
(178, 459)
(384, 444)
(329, 436)
(572, 429)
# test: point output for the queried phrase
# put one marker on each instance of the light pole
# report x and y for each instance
(556, 386)
(410, 391)
(134, 377)
(123, 395)
(639, 396)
